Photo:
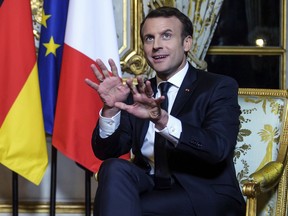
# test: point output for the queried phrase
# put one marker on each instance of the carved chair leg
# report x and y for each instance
(251, 207)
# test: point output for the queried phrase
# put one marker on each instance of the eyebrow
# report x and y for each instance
(151, 35)
(167, 30)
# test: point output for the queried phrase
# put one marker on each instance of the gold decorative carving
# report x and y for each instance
(37, 7)
(135, 64)
(132, 61)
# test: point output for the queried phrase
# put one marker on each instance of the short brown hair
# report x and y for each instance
(187, 26)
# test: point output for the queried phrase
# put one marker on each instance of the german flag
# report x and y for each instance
(22, 137)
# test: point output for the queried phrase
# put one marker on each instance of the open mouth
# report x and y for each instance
(159, 57)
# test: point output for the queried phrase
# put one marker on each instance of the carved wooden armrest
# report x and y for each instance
(263, 180)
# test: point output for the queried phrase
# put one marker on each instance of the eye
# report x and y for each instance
(149, 38)
(166, 35)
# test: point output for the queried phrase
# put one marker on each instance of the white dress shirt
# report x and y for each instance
(171, 132)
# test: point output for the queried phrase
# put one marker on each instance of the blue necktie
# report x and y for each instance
(162, 173)
(164, 87)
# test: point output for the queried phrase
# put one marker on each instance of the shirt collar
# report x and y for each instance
(178, 78)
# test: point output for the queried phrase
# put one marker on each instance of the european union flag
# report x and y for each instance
(53, 26)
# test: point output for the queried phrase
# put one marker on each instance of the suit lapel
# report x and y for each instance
(185, 91)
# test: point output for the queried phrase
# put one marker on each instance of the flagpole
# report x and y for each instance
(15, 193)
(88, 175)
(53, 180)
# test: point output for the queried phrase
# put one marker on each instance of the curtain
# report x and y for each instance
(205, 15)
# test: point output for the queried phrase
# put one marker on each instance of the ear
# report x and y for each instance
(187, 43)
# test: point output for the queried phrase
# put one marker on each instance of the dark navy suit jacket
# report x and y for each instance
(202, 162)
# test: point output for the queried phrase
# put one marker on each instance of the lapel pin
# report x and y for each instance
(187, 90)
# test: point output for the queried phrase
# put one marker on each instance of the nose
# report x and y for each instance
(157, 44)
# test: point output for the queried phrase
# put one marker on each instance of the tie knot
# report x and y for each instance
(164, 87)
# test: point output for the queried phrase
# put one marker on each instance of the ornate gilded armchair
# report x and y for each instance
(260, 154)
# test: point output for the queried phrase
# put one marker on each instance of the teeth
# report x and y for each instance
(158, 57)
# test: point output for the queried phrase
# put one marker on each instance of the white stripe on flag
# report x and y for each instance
(91, 30)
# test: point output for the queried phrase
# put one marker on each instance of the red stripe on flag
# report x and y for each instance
(77, 110)
(16, 61)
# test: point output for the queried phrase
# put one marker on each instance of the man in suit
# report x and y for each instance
(195, 175)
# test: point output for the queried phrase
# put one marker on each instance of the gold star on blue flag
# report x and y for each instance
(53, 26)
(51, 47)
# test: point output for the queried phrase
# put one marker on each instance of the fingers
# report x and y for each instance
(104, 69)
(121, 105)
(101, 71)
(131, 86)
(97, 73)
(145, 87)
(91, 84)
(113, 67)
(148, 90)
(141, 84)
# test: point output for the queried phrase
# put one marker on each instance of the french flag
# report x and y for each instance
(90, 34)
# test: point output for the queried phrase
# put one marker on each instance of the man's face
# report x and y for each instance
(163, 45)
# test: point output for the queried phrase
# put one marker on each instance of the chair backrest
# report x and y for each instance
(262, 138)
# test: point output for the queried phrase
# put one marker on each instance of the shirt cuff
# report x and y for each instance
(107, 126)
(172, 131)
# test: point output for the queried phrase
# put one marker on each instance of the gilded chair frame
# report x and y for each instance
(256, 186)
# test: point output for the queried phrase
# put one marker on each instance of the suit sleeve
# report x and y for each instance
(210, 127)
(115, 145)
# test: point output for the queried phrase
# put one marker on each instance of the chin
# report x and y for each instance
(161, 66)
(161, 69)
